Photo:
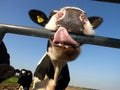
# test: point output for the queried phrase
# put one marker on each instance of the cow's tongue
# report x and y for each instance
(62, 38)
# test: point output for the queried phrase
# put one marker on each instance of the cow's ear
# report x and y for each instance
(95, 21)
(38, 17)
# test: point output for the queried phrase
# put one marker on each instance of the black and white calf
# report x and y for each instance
(25, 79)
(52, 72)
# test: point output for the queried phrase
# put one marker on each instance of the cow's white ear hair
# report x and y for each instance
(51, 25)
(88, 28)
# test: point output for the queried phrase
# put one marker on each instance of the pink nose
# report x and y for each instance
(63, 37)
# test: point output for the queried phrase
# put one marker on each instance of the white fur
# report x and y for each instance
(36, 83)
(21, 88)
(51, 25)
(88, 29)
(73, 8)
(45, 84)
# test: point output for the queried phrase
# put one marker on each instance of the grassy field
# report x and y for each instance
(11, 84)
(11, 80)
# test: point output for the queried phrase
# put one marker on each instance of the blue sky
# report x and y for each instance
(96, 67)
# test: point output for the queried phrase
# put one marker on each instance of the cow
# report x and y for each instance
(25, 79)
(52, 71)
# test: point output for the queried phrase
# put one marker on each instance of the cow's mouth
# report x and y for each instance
(64, 40)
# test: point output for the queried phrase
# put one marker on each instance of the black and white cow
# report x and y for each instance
(52, 72)
(25, 79)
(6, 70)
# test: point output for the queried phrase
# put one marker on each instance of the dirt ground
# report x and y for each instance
(12, 86)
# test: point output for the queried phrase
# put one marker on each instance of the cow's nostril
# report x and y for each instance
(60, 14)
(83, 17)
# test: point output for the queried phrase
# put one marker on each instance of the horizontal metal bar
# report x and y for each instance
(38, 32)
(25, 30)
(98, 40)
(109, 1)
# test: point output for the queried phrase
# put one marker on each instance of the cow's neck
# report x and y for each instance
(57, 68)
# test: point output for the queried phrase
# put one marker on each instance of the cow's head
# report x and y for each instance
(66, 20)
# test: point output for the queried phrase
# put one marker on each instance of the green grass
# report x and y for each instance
(11, 80)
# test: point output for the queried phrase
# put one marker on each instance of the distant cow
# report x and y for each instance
(6, 70)
(62, 47)
(25, 79)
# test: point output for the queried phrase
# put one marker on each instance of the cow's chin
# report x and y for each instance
(62, 53)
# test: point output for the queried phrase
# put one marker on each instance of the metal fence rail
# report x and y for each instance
(38, 32)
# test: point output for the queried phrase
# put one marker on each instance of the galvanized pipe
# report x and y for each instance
(38, 32)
